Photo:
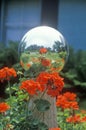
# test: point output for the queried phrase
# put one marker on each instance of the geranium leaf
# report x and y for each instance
(43, 126)
(42, 105)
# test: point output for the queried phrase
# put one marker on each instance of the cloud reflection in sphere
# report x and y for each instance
(43, 47)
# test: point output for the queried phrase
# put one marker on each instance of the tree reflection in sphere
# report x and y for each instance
(43, 49)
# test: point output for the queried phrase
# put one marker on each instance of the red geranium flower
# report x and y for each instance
(70, 96)
(42, 50)
(55, 129)
(74, 119)
(67, 100)
(30, 86)
(83, 119)
(62, 102)
(74, 105)
(45, 62)
(4, 107)
(52, 82)
(6, 73)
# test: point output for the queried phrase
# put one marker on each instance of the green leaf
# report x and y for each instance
(77, 82)
(1, 127)
(33, 123)
(42, 105)
(43, 126)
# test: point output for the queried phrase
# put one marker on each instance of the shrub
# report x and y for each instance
(74, 72)
(8, 55)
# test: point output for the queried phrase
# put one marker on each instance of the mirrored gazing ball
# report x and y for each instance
(44, 49)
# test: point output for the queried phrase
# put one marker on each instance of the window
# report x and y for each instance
(20, 16)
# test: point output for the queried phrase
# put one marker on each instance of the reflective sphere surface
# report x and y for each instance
(43, 48)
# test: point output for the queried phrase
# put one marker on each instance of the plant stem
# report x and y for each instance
(10, 96)
(9, 89)
(40, 99)
(27, 108)
(43, 93)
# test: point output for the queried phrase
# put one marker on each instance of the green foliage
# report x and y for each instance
(74, 71)
(8, 55)
(83, 104)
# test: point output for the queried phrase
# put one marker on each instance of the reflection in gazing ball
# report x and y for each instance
(43, 49)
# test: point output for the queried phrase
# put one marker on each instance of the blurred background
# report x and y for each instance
(68, 16)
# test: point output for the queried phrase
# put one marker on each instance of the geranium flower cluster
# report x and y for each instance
(54, 129)
(4, 107)
(46, 82)
(67, 101)
(76, 119)
(42, 50)
(52, 82)
(30, 86)
(6, 73)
